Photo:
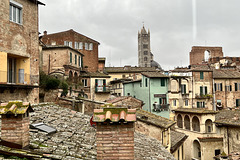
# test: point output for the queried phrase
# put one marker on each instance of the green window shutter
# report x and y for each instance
(236, 86)
(220, 86)
(104, 85)
(96, 84)
(201, 90)
(79, 61)
(185, 88)
(162, 82)
(230, 88)
(146, 81)
(201, 75)
(215, 87)
(203, 104)
(198, 104)
(75, 59)
(237, 102)
(70, 57)
(205, 90)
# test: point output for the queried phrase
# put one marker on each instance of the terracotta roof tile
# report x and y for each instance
(15, 107)
(128, 69)
(228, 118)
(154, 74)
(226, 74)
(195, 110)
(114, 115)
(154, 119)
(177, 139)
(95, 75)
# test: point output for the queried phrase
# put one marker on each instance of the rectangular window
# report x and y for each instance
(201, 75)
(80, 45)
(90, 46)
(236, 86)
(86, 46)
(145, 46)
(146, 82)
(162, 82)
(183, 89)
(200, 104)
(174, 102)
(75, 59)
(79, 61)
(237, 102)
(186, 102)
(201, 90)
(70, 44)
(70, 57)
(145, 52)
(15, 12)
(84, 81)
(76, 45)
(217, 152)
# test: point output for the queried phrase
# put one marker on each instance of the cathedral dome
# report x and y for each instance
(156, 65)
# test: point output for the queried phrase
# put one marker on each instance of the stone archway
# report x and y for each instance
(70, 75)
(75, 77)
(179, 121)
(196, 124)
(187, 122)
(196, 150)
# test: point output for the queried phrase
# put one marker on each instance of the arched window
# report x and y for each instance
(208, 126)
(196, 149)
(206, 55)
(145, 58)
(179, 121)
(70, 75)
(187, 122)
(196, 124)
(75, 77)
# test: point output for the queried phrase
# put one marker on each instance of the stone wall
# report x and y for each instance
(15, 129)
(197, 53)
(115, 141)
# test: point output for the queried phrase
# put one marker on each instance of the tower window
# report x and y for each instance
(145, 58)
(145, 46)
(145, 52)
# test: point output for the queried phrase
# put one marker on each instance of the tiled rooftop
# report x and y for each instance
(154, 119)
(200, 67)
(195, 110)
(75, 138)
(95, 75)
(177, 139)
(154, 74)
(226, 74)
(228, 118)
(128, 69)
(15, 107)
(114, 115)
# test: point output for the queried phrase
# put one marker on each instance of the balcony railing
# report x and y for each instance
(102, 89)
(18, 78)
(202, 96)
(160, 107)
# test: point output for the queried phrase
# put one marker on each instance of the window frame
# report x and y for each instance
(201, 75)
(18, 12)
(163, 84)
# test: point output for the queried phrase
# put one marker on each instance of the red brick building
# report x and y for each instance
(19, 50)
(83, 44)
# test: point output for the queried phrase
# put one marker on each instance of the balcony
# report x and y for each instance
(102, 89)
(203, 96)
(160, 107)
(18, 80)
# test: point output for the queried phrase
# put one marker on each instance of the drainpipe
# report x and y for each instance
(192, 89)
(149, 96)
(228, 139)
(214, 96)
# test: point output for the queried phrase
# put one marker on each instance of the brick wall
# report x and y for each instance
(197, 53)
(15, 129)
(115, 141)
(90, 57)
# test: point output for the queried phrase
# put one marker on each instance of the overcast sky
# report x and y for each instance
(175, 26)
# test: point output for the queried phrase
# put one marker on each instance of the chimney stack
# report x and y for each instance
(115, 133)
(15, 124)
(45, 33)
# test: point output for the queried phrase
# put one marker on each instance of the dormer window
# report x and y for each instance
(15, 12)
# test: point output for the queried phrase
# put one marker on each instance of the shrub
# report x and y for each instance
(52, 83)
(64, 86)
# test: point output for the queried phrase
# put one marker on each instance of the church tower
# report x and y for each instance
(144, 52)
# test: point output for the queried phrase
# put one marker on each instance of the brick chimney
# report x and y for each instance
(45, 33)
(15, 124)
(115, 133)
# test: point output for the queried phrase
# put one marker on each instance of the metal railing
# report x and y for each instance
(102, 89)
(161, 107)
(9, 77)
